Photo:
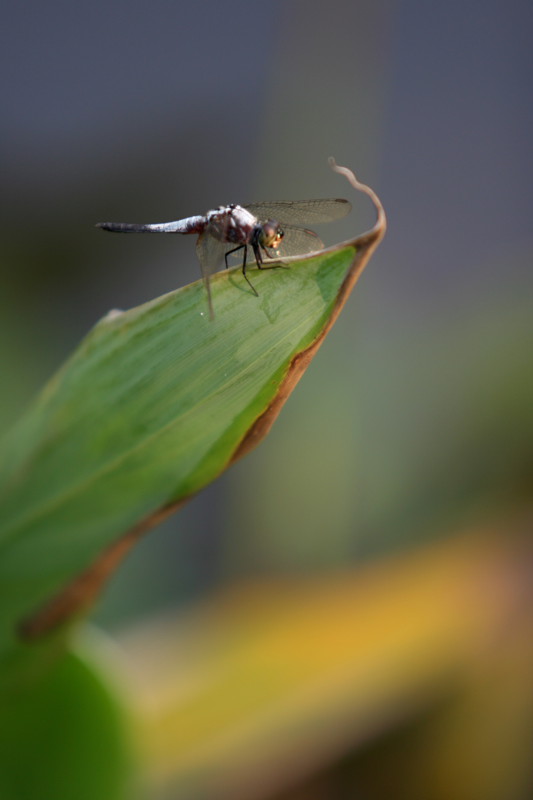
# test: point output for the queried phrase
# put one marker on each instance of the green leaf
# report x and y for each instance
(154, 404)
(64, 737)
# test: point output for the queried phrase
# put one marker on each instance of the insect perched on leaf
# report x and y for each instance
(271, 229)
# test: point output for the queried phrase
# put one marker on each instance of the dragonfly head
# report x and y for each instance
(270, 234)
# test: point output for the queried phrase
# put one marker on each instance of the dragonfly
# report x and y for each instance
(272, 229)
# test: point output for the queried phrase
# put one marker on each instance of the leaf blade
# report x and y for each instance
(155, 403)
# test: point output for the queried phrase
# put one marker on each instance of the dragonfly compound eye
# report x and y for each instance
(271, 234)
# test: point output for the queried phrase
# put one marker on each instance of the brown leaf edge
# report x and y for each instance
(78, 595)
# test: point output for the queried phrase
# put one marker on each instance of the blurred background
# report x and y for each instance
(412, 428)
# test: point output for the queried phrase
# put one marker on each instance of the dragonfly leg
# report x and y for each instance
(270, 266)
(235, 249)
(247, 279)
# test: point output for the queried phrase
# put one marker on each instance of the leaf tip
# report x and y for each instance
(381, 223)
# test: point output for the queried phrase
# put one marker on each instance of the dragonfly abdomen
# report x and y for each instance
(188, 225)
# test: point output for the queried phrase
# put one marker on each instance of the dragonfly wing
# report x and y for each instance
(301, 212)
(298, 241)
(210, 254)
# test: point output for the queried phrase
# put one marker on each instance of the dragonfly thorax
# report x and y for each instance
(232, 224)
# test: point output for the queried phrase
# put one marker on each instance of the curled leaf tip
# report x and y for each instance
(381, 222)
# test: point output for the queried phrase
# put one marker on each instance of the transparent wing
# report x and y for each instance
(210, 254)
(301, 212)
(298, 241)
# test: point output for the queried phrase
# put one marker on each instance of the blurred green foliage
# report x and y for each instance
(63, 736)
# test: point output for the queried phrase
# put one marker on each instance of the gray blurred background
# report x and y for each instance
(418, 409)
